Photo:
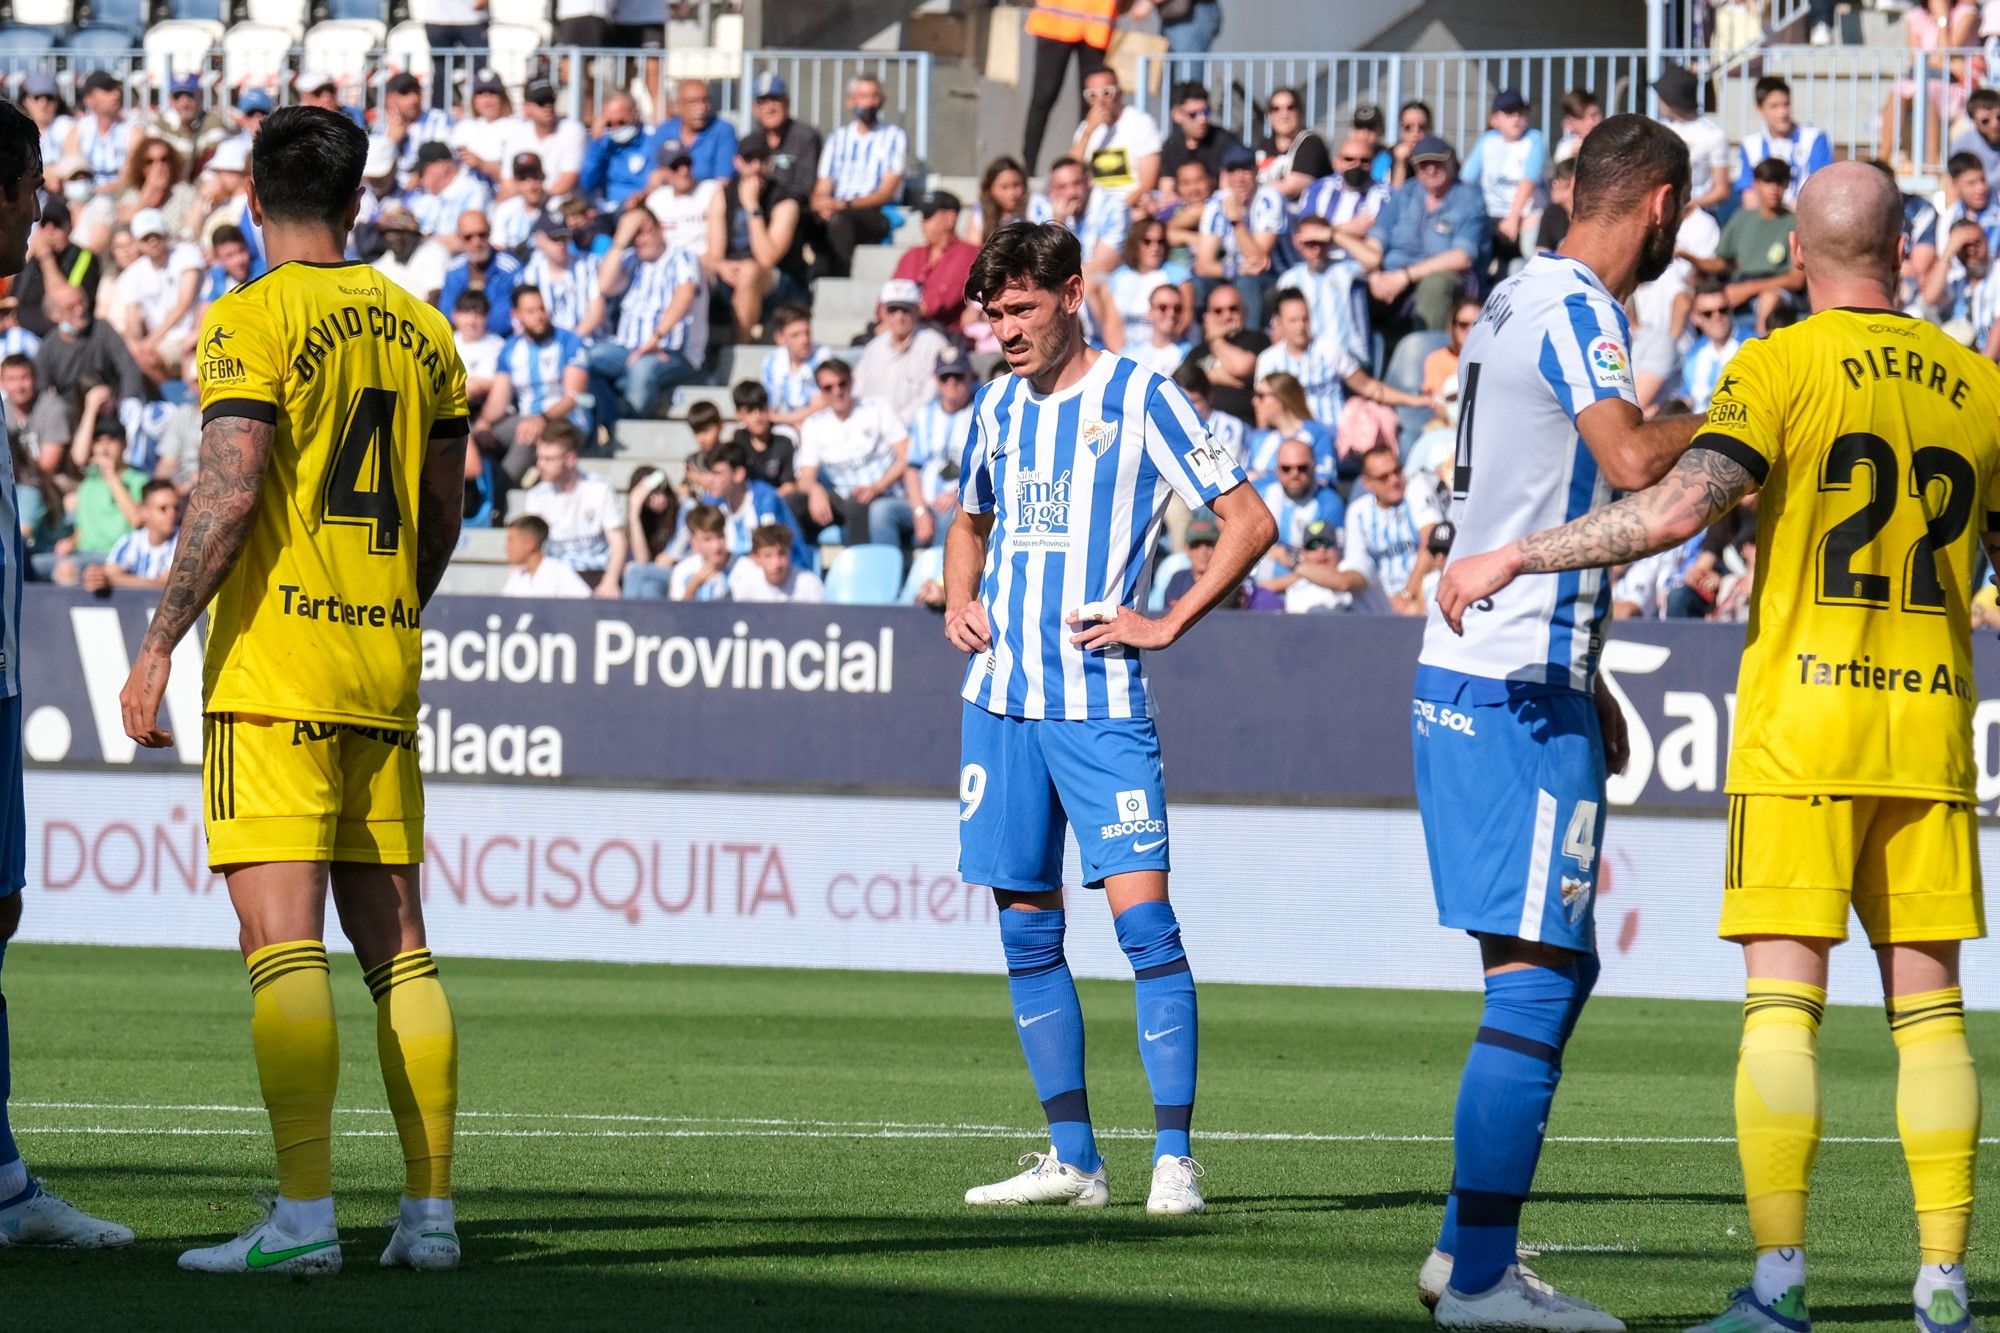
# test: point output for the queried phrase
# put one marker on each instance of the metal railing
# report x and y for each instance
(1852, 93)
(1700, 25)
(584, 77)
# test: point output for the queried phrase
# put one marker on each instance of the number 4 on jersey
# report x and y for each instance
(361, 479)
(1580, 842)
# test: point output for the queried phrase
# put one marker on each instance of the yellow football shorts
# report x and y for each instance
(278, 790)
(1910, 867)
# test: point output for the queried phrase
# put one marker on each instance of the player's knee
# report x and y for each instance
(1150, 935)
(1032, 941)
(10, 916)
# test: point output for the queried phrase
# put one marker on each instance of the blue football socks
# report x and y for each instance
(1503, 1109)
(1049, 1022)
(10, 1155)
(1150, 935)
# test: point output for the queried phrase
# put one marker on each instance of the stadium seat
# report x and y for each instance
(928, 565)
(521, 14)
(25, 50)
(44, 13)
(407, 49)
(96, 48)
(130, 15)
(341, 47)
(202, 11)
(255, 55)
(291, 15)
(865, 576)
(1170, 565)
(1406, 363)
(511, 49)
(358, 11)
(179, 46)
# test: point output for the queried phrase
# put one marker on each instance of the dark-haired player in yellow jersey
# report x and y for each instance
(325, 508)
(1873, 443)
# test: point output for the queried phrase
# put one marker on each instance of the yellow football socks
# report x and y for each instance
(1937, 1113)
(1777, 1106)
(419, 1049)
(298, 1061)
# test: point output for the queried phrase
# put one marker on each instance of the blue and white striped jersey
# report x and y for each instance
(1988, 219)
(18, 341)
(1226, 433)
(1384, 544)
(567, 292)
(54, 138)
(1292, 516)
(1322, 370)
(1701, 368)
(1332, 198)
(1805, 151)
(535, 371)
(1102, 221)
(1977, 303)
(438, 214)
(858, 161)
(651, 290)
(149, 431)
(435, 125)
(1266, 216)
(1337, 300)
(937, 437)
(136, 555)
(105, 150)
(1078, 483)
(1263, 447)
(1550, 343)
(791, 387)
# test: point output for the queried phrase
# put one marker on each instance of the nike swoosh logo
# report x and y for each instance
(1138, 846)
(1030, 1022)
(259, 1257)
(1155, 1036)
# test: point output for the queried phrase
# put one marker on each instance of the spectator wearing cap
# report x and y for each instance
(1200, 539)
(773, 571)
(853, 469)
(379, 186)
(747, 502)
(1367, 124)
(938, 433)
(898, 365)
(693, 214)
(481, 139)
(445, 192)
(1119, 144)
(661, 338)
(478, 346)
(101, 137)
(450, 25)
(55, 262)
(41, 99)
(407, 124)
(223, 195)
(1426, 244)
(194, 133)
(1292, 156)
(480, 267)
(791, 369)
(860, 172)
(566, 279)
(619, 161)
(941, 265)
(770, 448)
(1336, 298)
(1755, 252)
(407, 259)
(1509, 164)
(794, 144)
(1318, 558)
(763, 262)
(157, 292)
(542, 375)
(1240, 227)
(316, 87)
(1708, 147)
(1197, 137)
(558, 141)
(514, 217)
(710, 143)
(15, 340)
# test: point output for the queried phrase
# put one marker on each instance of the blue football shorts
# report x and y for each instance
(13, 801)
(1510, 785)
(1023, 780)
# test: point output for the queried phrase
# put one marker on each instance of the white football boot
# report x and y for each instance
(263, 1248)
(48, 1219)
(431, 1248)
(1435, 1275)
(1175, 1192)
(1047, 1181)
(1513, 1304)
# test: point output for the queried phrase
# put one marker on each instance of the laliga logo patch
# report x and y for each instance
(1607, 363)
(1099, 436)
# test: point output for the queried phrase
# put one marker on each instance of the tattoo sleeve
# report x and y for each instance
(440, 510)
(1700, 488)
(234, 452)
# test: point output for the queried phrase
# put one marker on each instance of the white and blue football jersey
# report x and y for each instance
(1078, 483)
(1805, 151)
(13, 560)
(535, 371)
(1550, 343)
(1702, 369)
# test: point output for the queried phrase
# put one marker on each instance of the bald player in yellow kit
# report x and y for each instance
(1872, 441)
(325, 509)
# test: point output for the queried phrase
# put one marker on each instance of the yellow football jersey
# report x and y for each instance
(1876, 442)
(318, 621)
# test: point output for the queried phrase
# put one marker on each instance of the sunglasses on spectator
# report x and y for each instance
(1195, 112)
(158, 160)
(1311, 245)
(1466, 323)
(833, 386)
(1294, 468)
(1711, 312)
(1276, 107)
(1099, 94)
(1168, 307)
(474, 235)
(1225, 310)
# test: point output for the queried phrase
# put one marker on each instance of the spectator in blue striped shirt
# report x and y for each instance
(566, 279)
(1240, 228)
(15, 340)
(1295, 497)
(860, 172)
(543, 374)
(662, 334)
(790, 366)
(703, 574)
(444, 192)
(141, 557)
(481, 268)
(407, 124)
(1336, 299)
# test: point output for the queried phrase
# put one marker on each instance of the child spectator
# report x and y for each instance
(105, 505)
(769, 574)
(768, 446)
(532, 574)
(141, 557)
(703, 576)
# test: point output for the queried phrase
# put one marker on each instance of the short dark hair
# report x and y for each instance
(727, 454)
(1959, 163)
(20, 362)
(840, 369)
(1289, 296)
(1064, 162)
(708, 519)
(1577, 101)
(534, 525)
(20, 148)
(787, 315)
(1042, 254)
(1622, 161)
(1769, 84)
(1710, 285)
(108, 428)
(153, 488)
(1772, 171)
(1193, 379)
(471, 300)
(1564, 170)
(749, 396)
(525, 290)
(1983, 98)
(227, 234)
(564, 434)
(306, 165)
(770, 536)
(1189, 90)
(704, 415)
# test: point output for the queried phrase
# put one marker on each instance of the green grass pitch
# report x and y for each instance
(711, 1148)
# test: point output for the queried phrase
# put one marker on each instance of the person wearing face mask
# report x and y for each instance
(1348, 198)
(860, 171)
(618, 161)
(82, 352)
(55, 262)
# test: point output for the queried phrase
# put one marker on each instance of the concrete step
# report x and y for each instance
(873, 266)
(617, 471)
(652, 441)
(481, 546)
(472, 580)
(688, 395)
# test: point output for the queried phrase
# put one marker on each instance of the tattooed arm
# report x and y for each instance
(1703, 486)
(234, 452)
(440, 506)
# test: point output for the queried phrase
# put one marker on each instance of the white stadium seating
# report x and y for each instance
(407, 49)
(179, 46)
(255, 55)
(44, 13)
(291, 15)
(522, 14)
(341, 48)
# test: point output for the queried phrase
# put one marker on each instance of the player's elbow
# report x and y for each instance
(1632, 469)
